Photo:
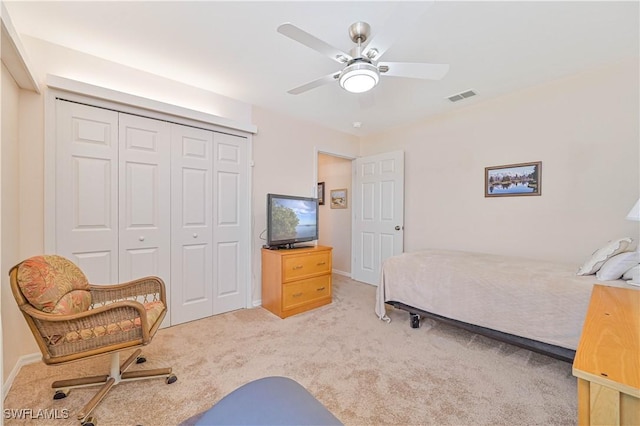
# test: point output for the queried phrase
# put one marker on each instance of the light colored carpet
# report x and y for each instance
(365, 371)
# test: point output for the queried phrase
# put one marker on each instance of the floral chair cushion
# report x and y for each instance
(54, 285)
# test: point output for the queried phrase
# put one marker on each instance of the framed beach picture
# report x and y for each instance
(513, 180)
(321, 193)
(339, 198)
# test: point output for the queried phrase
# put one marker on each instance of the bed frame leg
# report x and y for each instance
(414, 320)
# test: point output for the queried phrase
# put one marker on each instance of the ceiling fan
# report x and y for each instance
(362, 67)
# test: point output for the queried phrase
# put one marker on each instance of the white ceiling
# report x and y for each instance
(232, 48)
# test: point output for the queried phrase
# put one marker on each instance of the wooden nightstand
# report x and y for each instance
(296, 280)
(607, 362)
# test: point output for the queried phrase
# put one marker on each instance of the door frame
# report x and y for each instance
(316, 152)
(75, 91)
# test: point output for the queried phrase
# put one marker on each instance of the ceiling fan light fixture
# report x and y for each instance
(359, 77)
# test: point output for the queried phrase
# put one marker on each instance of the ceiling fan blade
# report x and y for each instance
(415, 70)
(303, 37)
(404, 17)
(315, 83)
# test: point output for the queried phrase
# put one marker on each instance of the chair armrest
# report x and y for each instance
(147, 289)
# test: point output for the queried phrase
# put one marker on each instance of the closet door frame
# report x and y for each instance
(110, 99)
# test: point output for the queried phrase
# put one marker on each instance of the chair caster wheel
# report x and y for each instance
(171, 379)
(141, 359)
(60, 394)
(90, 421)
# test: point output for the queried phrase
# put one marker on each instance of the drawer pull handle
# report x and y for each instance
(297, 294)
(320, 289)
(322, 263)
(297, 267)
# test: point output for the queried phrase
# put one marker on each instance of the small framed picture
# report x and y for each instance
(513, 180)
(321, 193)
(339, 198)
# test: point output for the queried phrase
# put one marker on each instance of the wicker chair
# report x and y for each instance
(73, 320)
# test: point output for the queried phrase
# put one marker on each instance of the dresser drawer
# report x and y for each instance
(296, 267)
(303, 291)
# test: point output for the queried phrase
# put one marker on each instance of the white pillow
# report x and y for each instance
(601, 255)
(617, 265)
(631, 272)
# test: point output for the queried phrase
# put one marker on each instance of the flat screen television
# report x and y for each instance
(291, 220)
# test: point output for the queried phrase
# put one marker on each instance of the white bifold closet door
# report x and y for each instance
(86, 214)
(137, 196)
(112, 198)
(231, 218)
(144, 198)
(192, 219)
(209, 216)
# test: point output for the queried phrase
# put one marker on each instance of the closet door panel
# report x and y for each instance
(231, 222)
(191, 217)
(86, 189)
(144, 198)
(137, 196)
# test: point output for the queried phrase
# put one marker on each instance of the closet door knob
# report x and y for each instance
(195, 235)
(141, 238)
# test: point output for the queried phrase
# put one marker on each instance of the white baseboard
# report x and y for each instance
(257, 303)
(22, 361)
(346, 274)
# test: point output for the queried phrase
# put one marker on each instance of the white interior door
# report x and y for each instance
(231, 221)
(144, 198)
(86, 223)
(378, 213)
(192, 230)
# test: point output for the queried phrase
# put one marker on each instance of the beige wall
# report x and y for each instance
(31, 174)
(335, 224)
(17, 339)
(284, 153)
(585, 131)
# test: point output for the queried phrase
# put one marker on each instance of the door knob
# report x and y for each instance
(397, 227)
(195, 235)
(141, 238)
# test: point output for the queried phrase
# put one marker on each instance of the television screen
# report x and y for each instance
(291, 219)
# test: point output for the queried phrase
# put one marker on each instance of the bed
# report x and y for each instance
(534, 304)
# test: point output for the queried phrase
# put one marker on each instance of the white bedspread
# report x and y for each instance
(539, 300)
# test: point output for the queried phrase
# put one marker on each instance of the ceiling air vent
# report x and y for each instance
(462, 95)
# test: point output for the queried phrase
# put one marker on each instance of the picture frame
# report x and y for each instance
(339, 198)
(321, 193)
(511, 180)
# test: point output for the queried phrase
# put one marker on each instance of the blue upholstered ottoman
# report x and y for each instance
(269, 401)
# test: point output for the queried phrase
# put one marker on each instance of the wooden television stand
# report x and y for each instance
(296, 280)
